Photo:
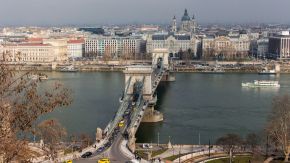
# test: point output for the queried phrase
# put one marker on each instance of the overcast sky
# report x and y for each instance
(81, 12)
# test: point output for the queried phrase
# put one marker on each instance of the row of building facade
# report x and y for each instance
(114, 46)
(225, 47)
(185, 38)
(44, 50)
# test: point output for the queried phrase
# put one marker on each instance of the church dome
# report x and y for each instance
(185, 16)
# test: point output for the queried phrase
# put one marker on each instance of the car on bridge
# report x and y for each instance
(121, 123)
(104, 160)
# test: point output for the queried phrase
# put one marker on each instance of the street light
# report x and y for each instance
(267, 146)
(158, 139)
(192, 148)
(179, 153)
(208, 147)
(199, 138)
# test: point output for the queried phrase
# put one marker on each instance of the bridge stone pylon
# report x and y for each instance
(139, 73)
(160, 54)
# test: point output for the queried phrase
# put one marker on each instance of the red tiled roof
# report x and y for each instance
(33, 44)
(34, 39)
(76, 41)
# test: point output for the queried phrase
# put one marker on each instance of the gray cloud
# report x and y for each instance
(46, 12)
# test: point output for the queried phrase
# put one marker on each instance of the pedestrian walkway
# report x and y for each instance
(180, 149)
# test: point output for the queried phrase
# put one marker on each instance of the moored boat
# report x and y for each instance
(33, 77)
(267, 72)
(43, 77)
(215, 70)
(38, 76)
(69, 69)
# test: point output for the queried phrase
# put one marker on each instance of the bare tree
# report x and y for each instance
(230, 143)
(107, 54)
(22, 101)
(52, 133)
(86, 140)
(278, 127)
(73, 140)
(252, 140)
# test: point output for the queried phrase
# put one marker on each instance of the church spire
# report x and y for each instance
(174, 25)
(185, 12)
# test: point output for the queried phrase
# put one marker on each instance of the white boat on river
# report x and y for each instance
(261, 83)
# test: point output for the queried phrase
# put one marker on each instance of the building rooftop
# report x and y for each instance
(34, 40)
(165, 36)
(33, 44)
(182, 37)
(76, 41)
(159, 37)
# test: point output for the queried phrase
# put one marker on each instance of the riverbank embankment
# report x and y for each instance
(177, 66)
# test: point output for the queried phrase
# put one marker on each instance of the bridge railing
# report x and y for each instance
(139, 103)
(119, 115)
(123, 106)
(140, 114)
(157, 79)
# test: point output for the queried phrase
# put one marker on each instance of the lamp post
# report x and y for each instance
(208, 147)
(158, 139)
(267, 146)
(199, 138)
(179, 153)
(192, 149)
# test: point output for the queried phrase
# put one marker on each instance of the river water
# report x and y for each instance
(208, 105)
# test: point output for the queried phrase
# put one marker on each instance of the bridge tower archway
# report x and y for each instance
(139, 73)
(160, 55)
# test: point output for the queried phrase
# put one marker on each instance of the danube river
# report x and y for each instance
(208, 105)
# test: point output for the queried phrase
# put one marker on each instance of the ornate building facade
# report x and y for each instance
(28, 52)
(173, 42)
(226, 47)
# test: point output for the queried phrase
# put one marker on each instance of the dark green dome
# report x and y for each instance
(185, 16)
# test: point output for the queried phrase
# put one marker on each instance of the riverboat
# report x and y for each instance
(262, 83)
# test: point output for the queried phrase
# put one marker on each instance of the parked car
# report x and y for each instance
(87, 154)
(100, 149)
(146, 146)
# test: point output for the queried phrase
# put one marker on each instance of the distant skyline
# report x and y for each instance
(94, 12)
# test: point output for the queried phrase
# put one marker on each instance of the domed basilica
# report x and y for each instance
(188, 25)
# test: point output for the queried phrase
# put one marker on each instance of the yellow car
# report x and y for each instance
(68, 161)
(121, 124)
(104, 160)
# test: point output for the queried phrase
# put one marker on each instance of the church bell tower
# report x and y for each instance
(174, 25)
